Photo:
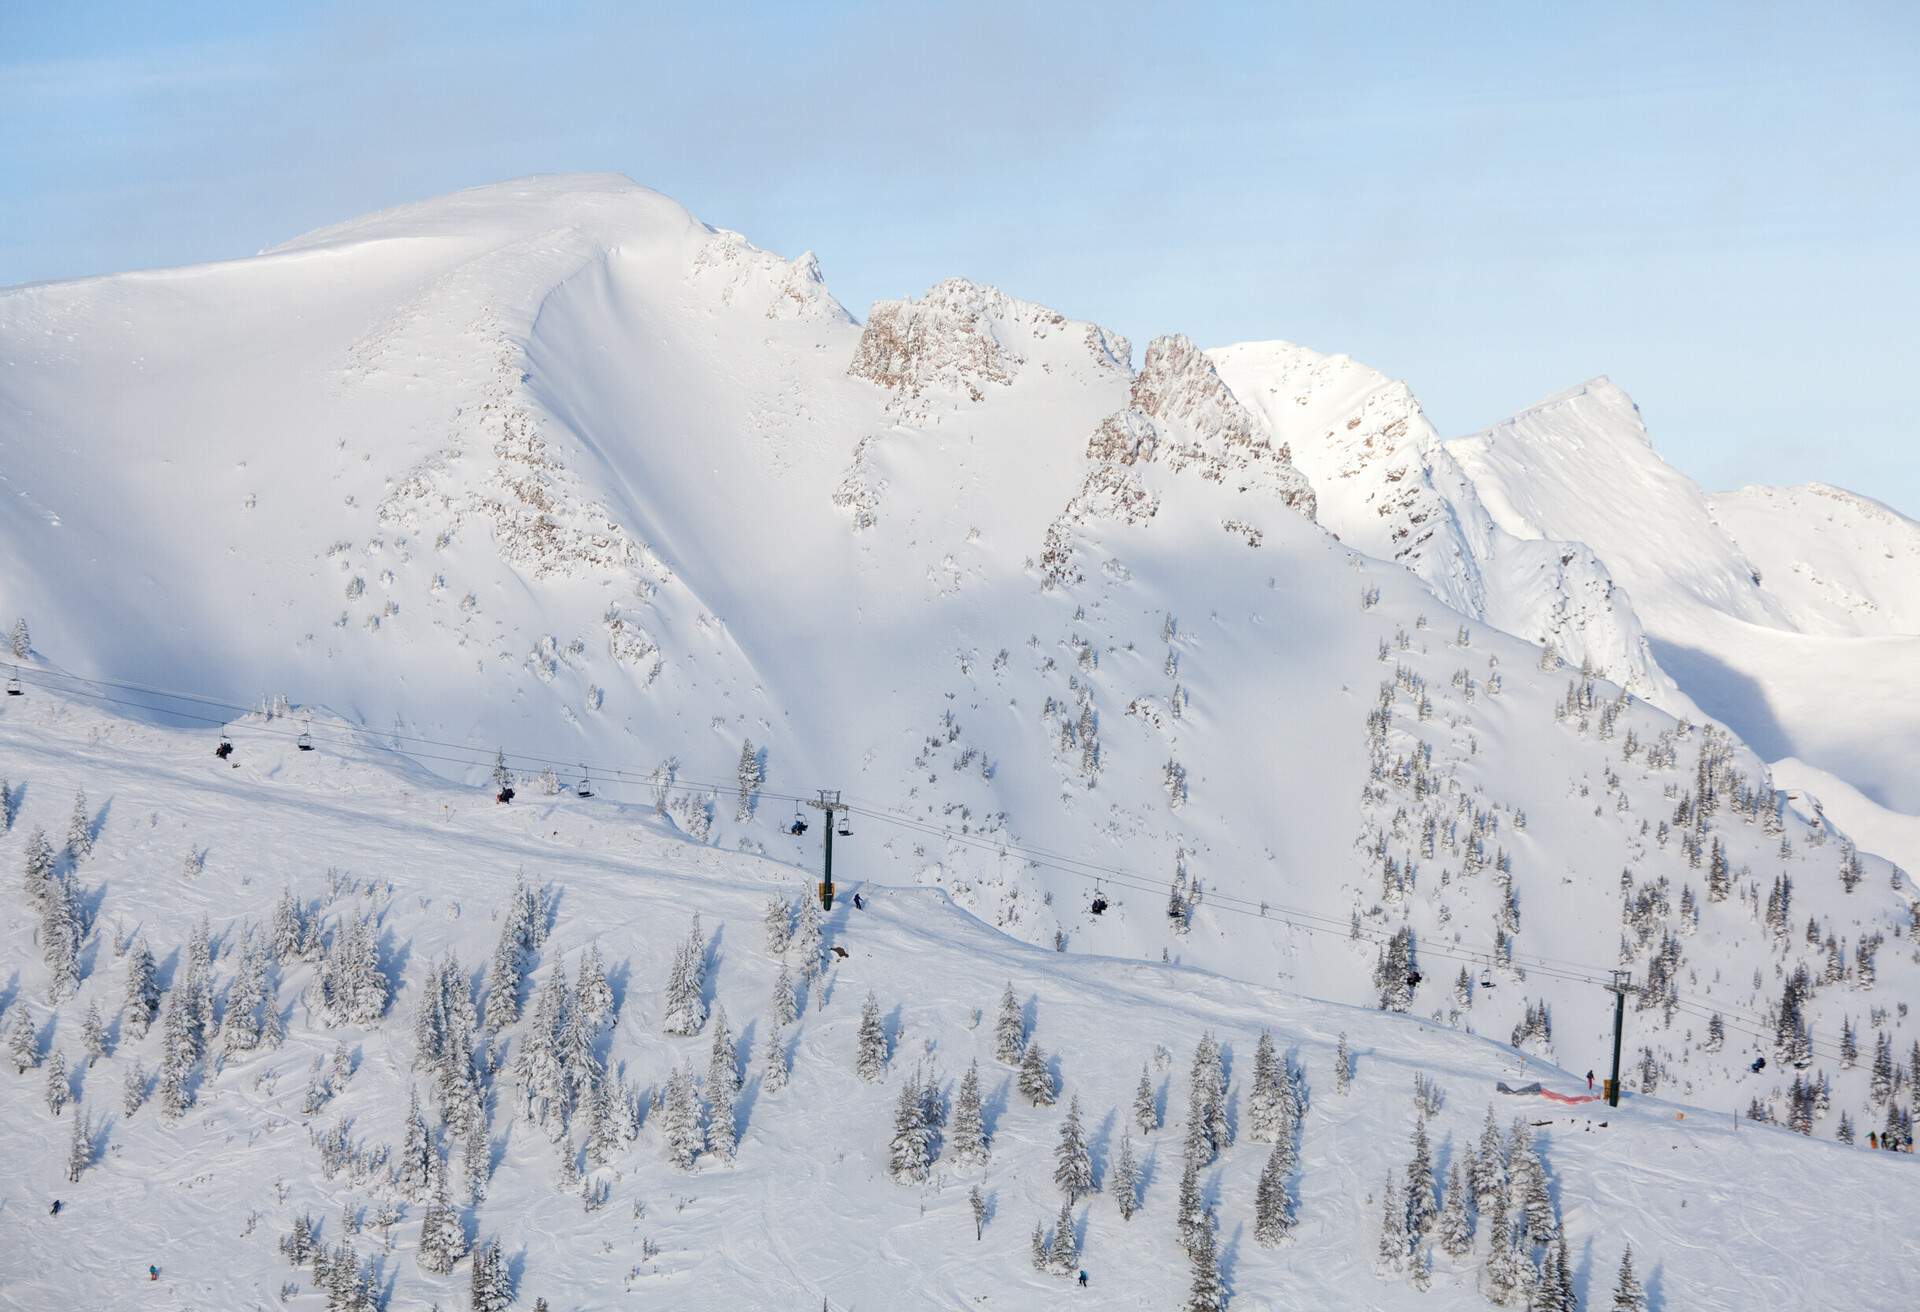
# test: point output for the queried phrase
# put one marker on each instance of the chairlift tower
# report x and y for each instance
(828, 801)
(1621, 986)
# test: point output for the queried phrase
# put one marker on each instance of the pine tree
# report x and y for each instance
(80, 829)
(1880, 1085)
(968, 1138)
(1272, 1209)
(1501, 1274)
(723, 1081)
(907, 1150)
(59, 1088)
(297, 1244)
(1037, 1247)
(1207, 1099)
(353, 989)
(1072, 1163)
(748, 775)
(546, 1092)
(504, 975)
(1009, 1031)
(977, 1201)
(592, 995)
(133, 1090)
(1126, 1178)
(1342, 1066)
(1063, 1253)
(1627, 1293)
(289, 936)
(778, 923)
(773, 1058)
(1146, 1110)
(443, 1239)
(1205, 1293)
(1035, 1081)
(413, 1168)
(785, 1012)
(1267, 1104)
(804, 948)
(1455, 1227)
(1486, 1169)
(61, 932)
(476, 1163)
(680, 1120)
(1393, 1227)
(79, 1147)
(870, 1045)
(492, 1289)
(93, 1033)
(19, 640)
(37, 874)
(685, 1009)
(1421, 1207)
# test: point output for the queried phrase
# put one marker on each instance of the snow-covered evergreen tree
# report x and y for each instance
(546, 1090)
(977, 1201)
(1146, 1109)
(1454, 1230)
(1126, 1178)
(1501, 1274)
(291, 936)
(1207, 1099)
(723, 1081)
(37, 873)
(773, 1058)
(416, 1162)
(1272, 1209)
(1187, 1211)
(20, 640)
(748, 775)
(777, 920)
(680, 1131)
(1421, 1207)
(592, 995)
(870, 1044)
(785, 1012)
(476, 1163)
(805, 947)
(133, 1090)
(1393, 1248)
(1628, 1296)
(79, 1146)
(80, 828)
(1487, 1167)
(93, 1034)
(59, 1086)
(1063, 1254)
(1009, 1030)
(62, 929)
(1205, 1293)
(1035, 1080)
(353, 988)
(23, 1043)
(684, 1009)
(1072, 1163)
(908, 1154)
(492, 1288)
(967, 1139)
(1268, 1107)
(443, 1238)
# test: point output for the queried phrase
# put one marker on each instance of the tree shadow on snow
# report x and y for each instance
(619, 976)
(709, 967)
(98, 823)
(1656, 1288)
(1097, 1146)
(1229, 1254)
(11, 994)
(1149, 1166)
(390, 958)
(10, 805)
(994, 1106)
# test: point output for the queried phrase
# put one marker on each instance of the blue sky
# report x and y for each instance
(1718, 206)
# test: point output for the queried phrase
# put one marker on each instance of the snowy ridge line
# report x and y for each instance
(1576, 972)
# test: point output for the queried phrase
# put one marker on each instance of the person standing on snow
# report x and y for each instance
(1589, 1081)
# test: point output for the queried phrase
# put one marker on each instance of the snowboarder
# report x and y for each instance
(55, 1209)
(153, 1273)
(858, 905)
(1759, 1064)
(1589, 1081)
(1083, 1280)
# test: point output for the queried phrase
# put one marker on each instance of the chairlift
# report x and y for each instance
(225, 749)
(585, 789)
(1099, 905)
(1486, 979)
(304, 742)
(799, 825)
(13, 684)
(846, 826)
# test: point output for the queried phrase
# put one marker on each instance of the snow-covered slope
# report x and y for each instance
(1388, 486)
(1842, 563)
(552, 466)
(1779, 664)
(1720, 1213)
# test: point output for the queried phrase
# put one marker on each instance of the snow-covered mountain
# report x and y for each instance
(1388, 486)
(554, 467)
(1156, 667)
(1804, 643)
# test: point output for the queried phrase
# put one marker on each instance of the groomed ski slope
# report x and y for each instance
(1720, 1215)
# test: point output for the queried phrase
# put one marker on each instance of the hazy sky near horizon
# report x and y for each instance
(1719, 206)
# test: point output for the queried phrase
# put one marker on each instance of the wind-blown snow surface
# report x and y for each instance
(1720, 1214)
(1811, 657)
(553, 466)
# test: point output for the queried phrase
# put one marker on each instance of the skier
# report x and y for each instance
(858, 905)
(55, 1209)
(153, 1273)
(1083, 1280)
(1589, 1081)
(1759, 1064)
